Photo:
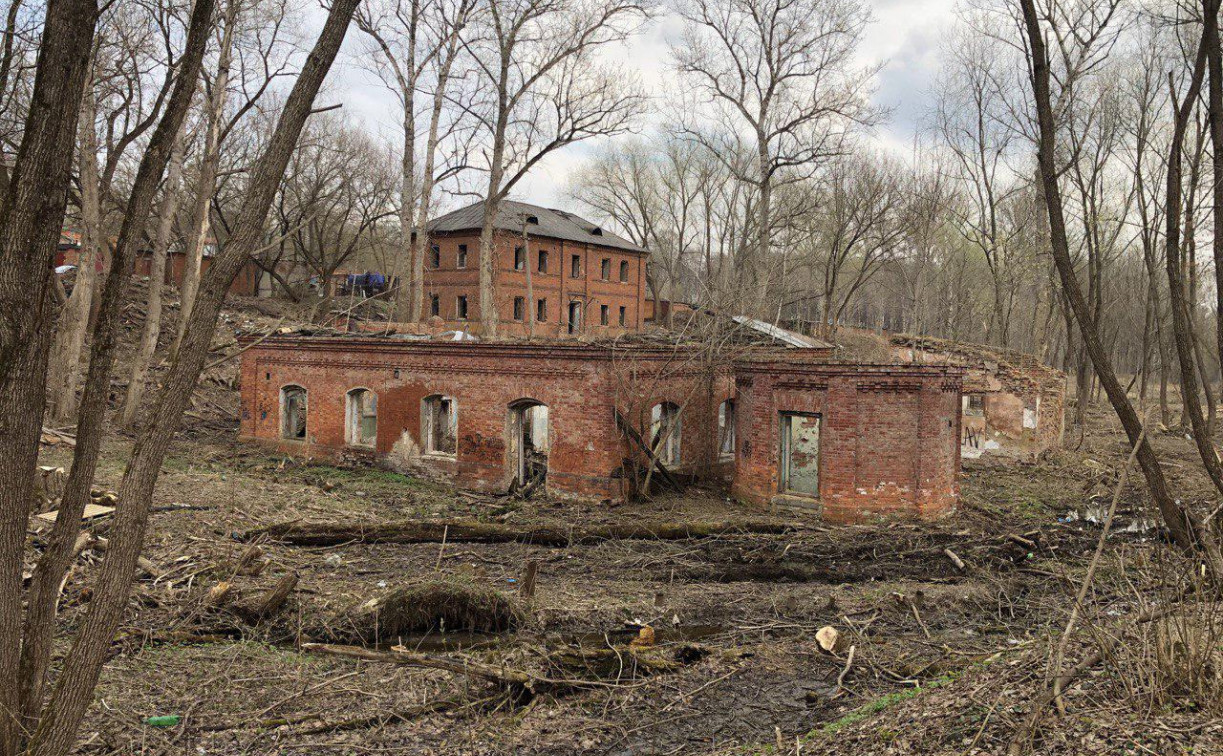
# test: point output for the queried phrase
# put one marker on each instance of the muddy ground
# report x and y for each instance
(945, 661)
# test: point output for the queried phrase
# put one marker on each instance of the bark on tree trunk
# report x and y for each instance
(1182, 328)
(157, 274)
(1175, 517)
(63, 369)
(74, 686)
(210, 163)
(31, 218)
(39, 630)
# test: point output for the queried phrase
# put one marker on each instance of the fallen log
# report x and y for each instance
(511, 679)
(300, 533)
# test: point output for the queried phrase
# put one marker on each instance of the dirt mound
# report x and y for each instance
(438, 605)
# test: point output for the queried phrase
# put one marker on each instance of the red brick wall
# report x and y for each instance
(557, 285)
(889, 437)
(244, 283)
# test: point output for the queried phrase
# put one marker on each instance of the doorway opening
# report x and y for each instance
(800, 454)
(529, 446)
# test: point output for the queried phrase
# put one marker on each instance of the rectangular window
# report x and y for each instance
(435, 257)
(543, 261)
(604, 314)
(435, 305)
(519, 307)
(541, 311)
(726, 429)
(800, 454)
(606, 269)
(520, 258)
(575, 316)
(624, 271)
(623, 316)
(440, 420)
(575, 267)
(1031, 413)
(460, 307)
(461, 260)
(973, 405)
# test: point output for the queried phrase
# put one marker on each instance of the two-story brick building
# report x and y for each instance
(556, 274)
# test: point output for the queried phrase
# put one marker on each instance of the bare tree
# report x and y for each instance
(413, 38)
(151, 330)
(541, 90)
(1176, 517)
(73, 687)
(251, 48)
(782, 74)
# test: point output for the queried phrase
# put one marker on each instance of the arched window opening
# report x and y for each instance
(440, 421)
(293, 410)
(361, 415)
(665, 433)
(726, 429)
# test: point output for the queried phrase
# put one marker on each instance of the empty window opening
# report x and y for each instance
(461, 259)
(435, 305)
(575, 267)
(361, 414)
(541, 311)
(440, 419)
(575, 316)
(623, 315)
(293, 411)
(435, 256)
(596, 231)
(520, 258)
(624, 271)
(519, 308)
(726, 429)
(533, 219)
(606, 269)
(1031, 413)
(543, 261)
(604, 314)
(529, 445)
(460, 307)
(665, 433)
(973, 405)
(800, 454)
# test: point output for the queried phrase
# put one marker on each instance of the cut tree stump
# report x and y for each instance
(330, 534)
(268, 602)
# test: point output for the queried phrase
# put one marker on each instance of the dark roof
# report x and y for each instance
(549, 222)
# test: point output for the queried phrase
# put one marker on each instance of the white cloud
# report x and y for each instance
(904, 38)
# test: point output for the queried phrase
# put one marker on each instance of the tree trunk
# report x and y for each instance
(75, 684)
(157, 274)
(63, 370)
(210, 163)
(1182, 328)
(39, 630)
(1175, 517)
(31, 218)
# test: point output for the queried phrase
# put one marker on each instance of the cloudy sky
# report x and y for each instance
(904, 37)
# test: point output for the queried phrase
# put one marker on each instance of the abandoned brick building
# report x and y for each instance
(555, 274)
(777, 425)
(1013, 404)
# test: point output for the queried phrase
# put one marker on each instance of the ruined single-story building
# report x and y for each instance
(788, 426)
(1013, 404)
